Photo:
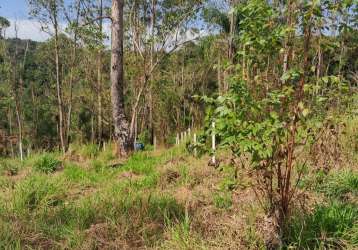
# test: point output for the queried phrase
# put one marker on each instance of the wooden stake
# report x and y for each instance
(195, 153)
(213, 143)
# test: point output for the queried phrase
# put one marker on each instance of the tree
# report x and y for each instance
(121, 126)
(4, 24)
(48, 13)
(264, 116)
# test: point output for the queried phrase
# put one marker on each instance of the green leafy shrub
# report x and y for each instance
(47, 163)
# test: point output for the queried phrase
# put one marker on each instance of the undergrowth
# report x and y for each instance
(47, 163)
(157, 200)
(332, 224)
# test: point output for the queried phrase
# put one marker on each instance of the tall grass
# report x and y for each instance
(332, 226)
(80, 203)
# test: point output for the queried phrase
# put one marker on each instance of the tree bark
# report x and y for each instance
(17, 89)
(121, 128)
(99, 78)
(151, 115)
(73, 65)
(58, 86)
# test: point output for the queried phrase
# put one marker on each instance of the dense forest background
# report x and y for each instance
(173, 51)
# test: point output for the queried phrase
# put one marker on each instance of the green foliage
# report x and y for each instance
(244, 125)
(90, 150)
(98, 166)
(141, 163)
(47, 163)
(332, 226)
(254, 98)
(230, 181)
(201, 146)
(144, 137)
(4, 23)
(184, 175)
(337, 185)
(37, 192)
(76, 174)
(258, 32)
(222, 200)
(213, 15)
(62, 207)
(11, 167)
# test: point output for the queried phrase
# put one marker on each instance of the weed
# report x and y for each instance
(47, 163)
(229, 181)
(184, 174)
(149, 181)
(141, 163)
(181, 236)
(222, 200)
(107, 155)
(37, 192)
(90, 151)
(336, 185)
(98, 166)
(9, 166)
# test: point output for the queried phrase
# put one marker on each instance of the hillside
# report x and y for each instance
(191, 124)
(165, 199)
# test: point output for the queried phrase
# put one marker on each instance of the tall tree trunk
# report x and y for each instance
(99, 77)
(17, 89)
(221, 88)
(123, 140)
(151, 109)
(59, 88)
(73, 65)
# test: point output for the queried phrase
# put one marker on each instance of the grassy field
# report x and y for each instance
(164, 199)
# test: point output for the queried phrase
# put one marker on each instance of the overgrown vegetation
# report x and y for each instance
(47, 163)
(268, 89)
(166, 199)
